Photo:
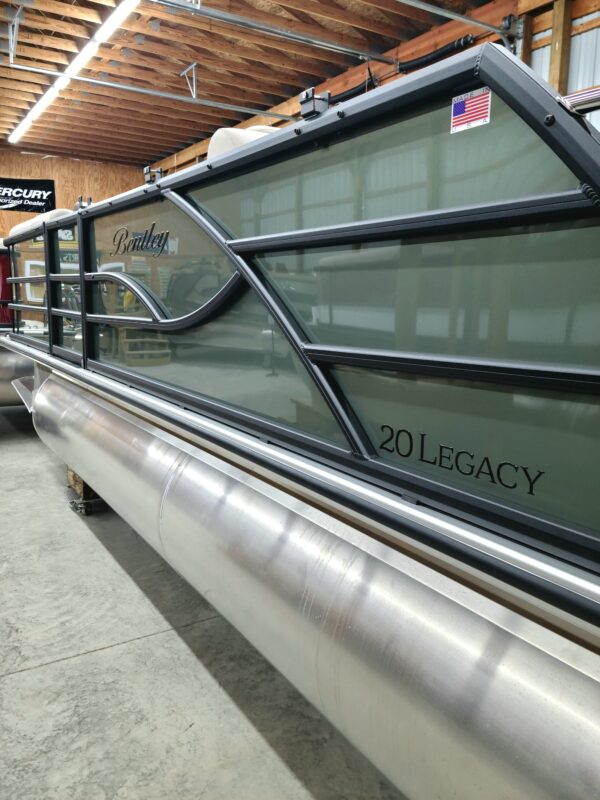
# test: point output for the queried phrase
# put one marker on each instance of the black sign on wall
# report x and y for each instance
(18, 194)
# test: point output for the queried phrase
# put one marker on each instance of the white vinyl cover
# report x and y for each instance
(225, 139)
(36, 221)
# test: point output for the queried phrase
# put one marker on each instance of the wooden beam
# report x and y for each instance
(211, 90)
(100, 107)
(351, 40)
(28, 79)
(209, 53)
(89, 113)
(541, 22)
(526, 6)
(106, 124)
(62, 141)
(50, 42)
(70, 153)
(493, 13)
(526, 38)
(35, 53)
(580, 8)
(155, 18)
(411, 13)
(65, 10)
(331, 11)
(221, 87)
(198, 41)
(560, 45)
(10, 102)
(189, 21)
(10, 94)
(21, 86)
(113, 98)
(43, 22)
(237, 74)
(64, 127)
(29, 64)
(62, 131)
(588, 25)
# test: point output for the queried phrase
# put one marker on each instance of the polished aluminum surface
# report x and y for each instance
(12, 367)
(541, 566)
(24, 387)
(450, 694)
(583, 101)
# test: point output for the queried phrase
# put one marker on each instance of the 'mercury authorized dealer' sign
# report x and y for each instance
(18, 194)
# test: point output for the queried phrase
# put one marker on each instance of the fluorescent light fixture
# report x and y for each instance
(104, 32)
(62, 82)
(81, 59)
(115, 20)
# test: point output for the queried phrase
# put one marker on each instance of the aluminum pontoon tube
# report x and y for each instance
(447, 692)
(12, 367)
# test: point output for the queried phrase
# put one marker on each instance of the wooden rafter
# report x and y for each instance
(560, 44)
(236, 66)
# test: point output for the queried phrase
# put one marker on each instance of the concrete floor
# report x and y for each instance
(118, 681)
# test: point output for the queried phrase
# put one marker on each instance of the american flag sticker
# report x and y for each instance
(470, 110)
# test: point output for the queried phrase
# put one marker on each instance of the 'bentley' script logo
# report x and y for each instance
(154, 243)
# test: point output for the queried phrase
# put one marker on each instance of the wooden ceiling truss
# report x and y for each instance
(235, 65)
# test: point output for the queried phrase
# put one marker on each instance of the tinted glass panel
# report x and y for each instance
(70, 333)
(533, 450)
(240, 359)
(67, 245)
(109, 297)
(68, 296)
(32, 323)
(524, 294)
(159, 246)
(33, 294)
(28, 259)
(413, 164)
(28, 262)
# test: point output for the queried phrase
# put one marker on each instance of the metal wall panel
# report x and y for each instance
(584, 60)
(540, 61)
(584, 63)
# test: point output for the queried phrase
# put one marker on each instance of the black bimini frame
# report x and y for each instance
(568, 135)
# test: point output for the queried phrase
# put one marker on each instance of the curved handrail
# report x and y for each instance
(146, 296)
(161, 321)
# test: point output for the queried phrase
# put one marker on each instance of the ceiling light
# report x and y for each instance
(81, 59)
(115, 20)
(104, 32)
(62, 82)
